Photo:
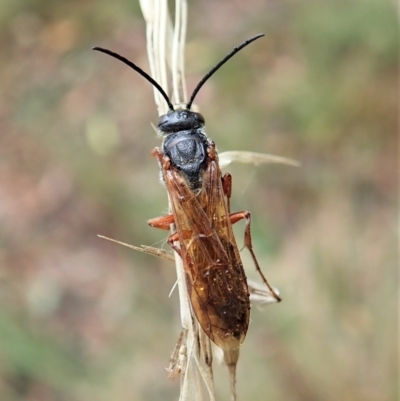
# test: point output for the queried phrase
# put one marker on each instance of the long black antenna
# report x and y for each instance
(219, 65)
(140, 71)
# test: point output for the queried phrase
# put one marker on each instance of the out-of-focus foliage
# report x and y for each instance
(83, 319)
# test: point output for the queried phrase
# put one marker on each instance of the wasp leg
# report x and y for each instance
(227, 188)
(171, 242)
(163, 222)
(234, 218)
(156, 152)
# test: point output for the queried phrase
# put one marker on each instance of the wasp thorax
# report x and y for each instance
(180, 120)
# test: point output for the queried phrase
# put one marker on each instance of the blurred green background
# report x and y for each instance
(85, 319)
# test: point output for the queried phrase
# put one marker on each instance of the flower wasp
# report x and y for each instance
(204, 238)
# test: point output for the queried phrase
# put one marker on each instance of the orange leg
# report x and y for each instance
(234, 218)
(164, 223)
(227, 188)
(171, 241)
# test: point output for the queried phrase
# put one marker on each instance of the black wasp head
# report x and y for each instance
(180, 120)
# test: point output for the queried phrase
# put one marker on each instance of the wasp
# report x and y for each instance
(200, 205)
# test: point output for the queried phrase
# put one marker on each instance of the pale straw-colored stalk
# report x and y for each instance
(165, 46)
(192, 358)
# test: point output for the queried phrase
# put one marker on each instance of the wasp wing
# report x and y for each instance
(214, 273)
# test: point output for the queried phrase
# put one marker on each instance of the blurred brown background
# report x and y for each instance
(84, 319)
